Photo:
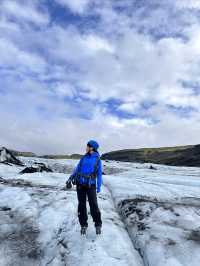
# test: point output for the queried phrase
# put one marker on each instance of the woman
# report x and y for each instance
(87, 177)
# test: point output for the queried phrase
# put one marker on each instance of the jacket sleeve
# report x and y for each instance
(75, 171)
(99, 176)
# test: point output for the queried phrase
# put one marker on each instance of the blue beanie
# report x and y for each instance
(93, 144)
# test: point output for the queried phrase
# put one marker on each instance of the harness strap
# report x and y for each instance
(96, 167)
(93, 174)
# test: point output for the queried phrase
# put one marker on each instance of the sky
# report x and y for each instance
(125, 73)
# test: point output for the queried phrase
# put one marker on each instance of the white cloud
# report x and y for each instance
(76, 6)
(188, 4)
(64, 90)
(129, 107)
(95, 43)
(68, 135)
(12, 56)
(22, 11)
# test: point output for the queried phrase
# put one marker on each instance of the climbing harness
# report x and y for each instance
(93, 175)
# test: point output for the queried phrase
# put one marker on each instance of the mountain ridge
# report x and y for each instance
(188, 155)
(185, 155)
(45, 156)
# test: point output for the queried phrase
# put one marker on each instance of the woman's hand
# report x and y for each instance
(98, 190)
(68, 184)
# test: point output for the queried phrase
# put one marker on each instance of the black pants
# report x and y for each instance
(82, 194)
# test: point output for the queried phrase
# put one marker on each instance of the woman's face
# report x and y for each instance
(88, 149)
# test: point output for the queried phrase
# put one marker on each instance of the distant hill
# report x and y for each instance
(51, 156)
(175, 156)
(72, 156)
(21, 153)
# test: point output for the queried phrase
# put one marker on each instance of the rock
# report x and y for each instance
(5, 208)
(151, 167)
(7, 157)
(36, 167)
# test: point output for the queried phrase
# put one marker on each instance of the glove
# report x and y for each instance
(74, 181)
(68, 184)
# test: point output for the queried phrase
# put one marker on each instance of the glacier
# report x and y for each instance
(150, 216)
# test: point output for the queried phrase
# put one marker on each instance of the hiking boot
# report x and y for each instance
(98, 230)
(83, 230)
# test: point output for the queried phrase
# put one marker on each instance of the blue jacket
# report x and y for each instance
(88, 164)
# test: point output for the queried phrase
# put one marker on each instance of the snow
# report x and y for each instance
(48, 218)
(161, 211)
(150, 217)
(3, 155)
(165, 182)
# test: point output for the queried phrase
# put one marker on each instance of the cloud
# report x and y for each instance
(129, 106)
(12, 57)
(76, 6)
(24, 11)
(195, 4)
(130, 79)
(95, 43)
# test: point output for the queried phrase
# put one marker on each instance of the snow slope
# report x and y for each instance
(150, 217)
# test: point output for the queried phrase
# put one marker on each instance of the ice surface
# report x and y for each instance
(161, 209)
(150, 217)
(39, 226)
